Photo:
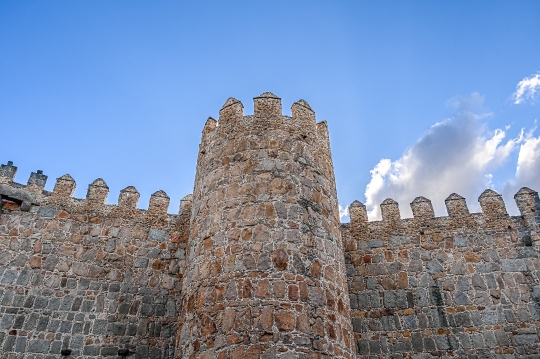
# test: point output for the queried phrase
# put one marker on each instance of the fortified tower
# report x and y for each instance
(266, 274)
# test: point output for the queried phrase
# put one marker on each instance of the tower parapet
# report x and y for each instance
(266, 273)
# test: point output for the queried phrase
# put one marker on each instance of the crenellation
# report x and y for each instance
(267, 105)
(97, 192)
(36, 182)
(209, 126)
(128, 198)
(159, 203)
(390, 211)
(422, 209)
(456, 206)
(231, 112)
(256, 264)
(64, 187)
(7, 173)
(301, 111)
(528, 204)
(492, 204)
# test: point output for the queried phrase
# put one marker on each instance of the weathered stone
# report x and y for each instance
(514, 265)
(256, 263)
(285, 320)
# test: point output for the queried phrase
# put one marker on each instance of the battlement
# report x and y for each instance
(33, 193)
(256, 263)
(450, 286)
(491, 203)
(110, 273)
(268, 113)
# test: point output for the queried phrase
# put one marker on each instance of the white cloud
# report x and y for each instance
(343, 211)
(528, 166)
(526, 89)
(455, 155)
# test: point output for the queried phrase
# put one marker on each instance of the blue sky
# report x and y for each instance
(122, 89)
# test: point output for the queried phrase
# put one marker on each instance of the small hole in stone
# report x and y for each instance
(527, 240)
(123, 352)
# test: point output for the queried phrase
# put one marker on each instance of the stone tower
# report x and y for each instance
(266, 276)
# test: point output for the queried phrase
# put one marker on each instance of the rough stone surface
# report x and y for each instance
(87, 276)
(470, 287)
(257, 265)
(265, 239)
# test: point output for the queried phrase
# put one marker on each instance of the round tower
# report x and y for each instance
(266, 274)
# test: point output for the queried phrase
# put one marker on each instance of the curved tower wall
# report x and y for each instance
(267, 275)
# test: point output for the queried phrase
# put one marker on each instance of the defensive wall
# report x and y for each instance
(466, 285)
(86, 276)
(256, 264)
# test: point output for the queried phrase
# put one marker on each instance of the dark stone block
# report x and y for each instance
(92, 350)
(77, 304)
(7, 321)
(24, 277)
(374, 347)
(65, 327)
(84, 283)
(116, 329)
(401, 347)
(46, 212)
(87, 306)
(56, 347)
(357, 325)
(19, 321)
(43, 322)
(99, 326)
(147, 310)
(29, 302)
(131, 329)
(9, 343)
(41, 302)
(54, 325)
(463, 319)
(417, 341)
(141, 352)
(109, 351)
(39, 346)
(160, 309)
(123, 308)
(77, 328)
(20, 345)
(429, 344)
(155, 353)
(354, 301)
(31, 322)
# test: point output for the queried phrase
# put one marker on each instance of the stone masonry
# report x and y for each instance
(466, 285)
(257, 265)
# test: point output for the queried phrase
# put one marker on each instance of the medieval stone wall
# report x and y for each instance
(86, 276)
(466, 285)
(266, 274)
(257, 265)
